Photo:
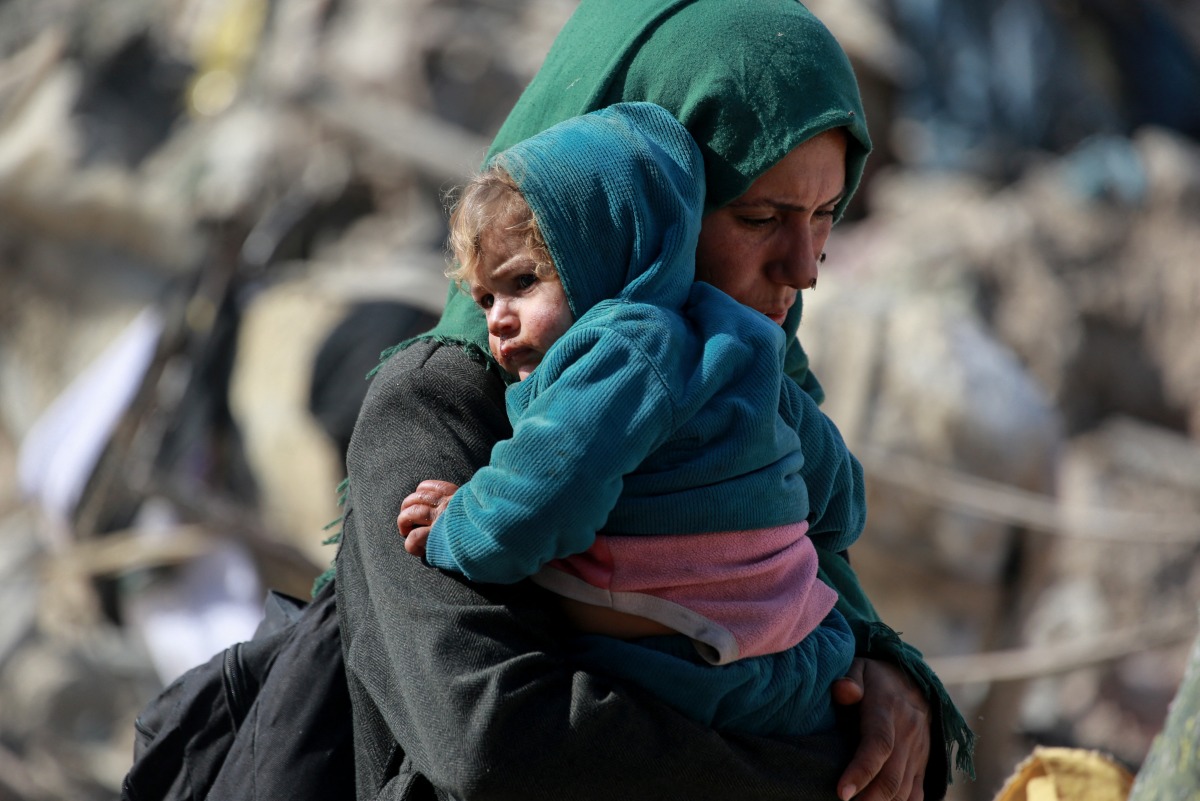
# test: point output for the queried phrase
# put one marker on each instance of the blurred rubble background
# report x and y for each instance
(214, 214)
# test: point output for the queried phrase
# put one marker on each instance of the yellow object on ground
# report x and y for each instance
(1067, 774)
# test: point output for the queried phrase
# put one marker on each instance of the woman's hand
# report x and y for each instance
(893, 748)
(419, 510)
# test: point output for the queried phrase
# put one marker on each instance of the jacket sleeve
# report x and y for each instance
(474, 681)
(550, 488)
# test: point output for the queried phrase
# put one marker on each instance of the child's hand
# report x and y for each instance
(419, 510)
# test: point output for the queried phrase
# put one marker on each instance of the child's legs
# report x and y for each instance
(781, 695)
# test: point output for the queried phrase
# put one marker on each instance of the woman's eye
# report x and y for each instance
(757, 222)
(526, 281)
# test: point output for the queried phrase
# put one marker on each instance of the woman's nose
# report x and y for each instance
(797, 262)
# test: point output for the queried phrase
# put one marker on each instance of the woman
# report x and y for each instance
(465, 688)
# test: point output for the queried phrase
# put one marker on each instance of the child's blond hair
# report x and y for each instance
(489, 199)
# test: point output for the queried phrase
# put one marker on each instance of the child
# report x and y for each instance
(663, 472)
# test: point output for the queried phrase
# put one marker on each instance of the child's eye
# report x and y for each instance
(485, 301)
(526, 281)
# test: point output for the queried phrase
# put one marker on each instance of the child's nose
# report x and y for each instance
(502, 319)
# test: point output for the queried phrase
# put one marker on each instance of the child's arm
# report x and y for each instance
(599, 408)
(419, 511)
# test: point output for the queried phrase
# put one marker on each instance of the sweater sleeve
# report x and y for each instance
(594, 417)
(468, 687)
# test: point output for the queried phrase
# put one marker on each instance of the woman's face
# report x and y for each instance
(765, 246)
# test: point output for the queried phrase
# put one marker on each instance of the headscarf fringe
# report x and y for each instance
(343, 489)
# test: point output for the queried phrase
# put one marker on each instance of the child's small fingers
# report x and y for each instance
(414, 543)
(436, 488)
(413, 499)
(424, 505)
(413, 516)
(427, 493)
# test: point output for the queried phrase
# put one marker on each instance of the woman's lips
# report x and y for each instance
(778, 309)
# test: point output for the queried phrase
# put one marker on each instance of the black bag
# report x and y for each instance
(266, 719)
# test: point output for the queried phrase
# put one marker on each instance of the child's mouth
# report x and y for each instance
(517, 357)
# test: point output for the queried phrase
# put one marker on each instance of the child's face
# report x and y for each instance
(525, 314)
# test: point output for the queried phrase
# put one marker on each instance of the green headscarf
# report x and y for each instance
(749, 79)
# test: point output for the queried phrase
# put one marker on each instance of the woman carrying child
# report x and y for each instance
(465, 690)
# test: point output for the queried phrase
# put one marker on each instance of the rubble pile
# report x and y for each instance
(214, 214)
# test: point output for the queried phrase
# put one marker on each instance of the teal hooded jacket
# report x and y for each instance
(662, 412)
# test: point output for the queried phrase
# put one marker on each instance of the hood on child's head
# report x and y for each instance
(618, 195)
